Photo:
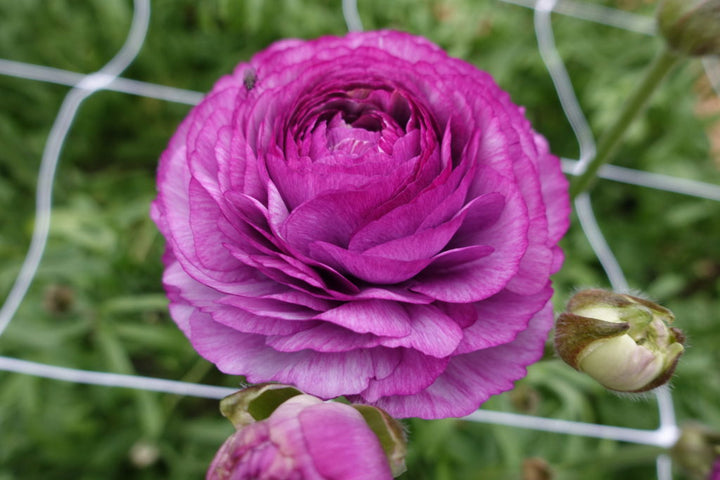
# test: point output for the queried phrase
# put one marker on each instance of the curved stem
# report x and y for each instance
(654, 75)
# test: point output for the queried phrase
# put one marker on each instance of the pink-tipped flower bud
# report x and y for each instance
(623, 342)
(691, 27)
(285, 434)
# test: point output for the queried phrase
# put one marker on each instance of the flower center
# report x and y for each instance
(353, 138)
(359, 122)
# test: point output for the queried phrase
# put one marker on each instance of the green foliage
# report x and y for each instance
(97, 302)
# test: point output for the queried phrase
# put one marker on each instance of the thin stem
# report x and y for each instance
(657, 71)
(196, 373)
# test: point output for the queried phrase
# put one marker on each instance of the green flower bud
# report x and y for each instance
(623, 342)
(691, 27)
(697, 449)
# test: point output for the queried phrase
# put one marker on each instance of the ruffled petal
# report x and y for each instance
(471, 378)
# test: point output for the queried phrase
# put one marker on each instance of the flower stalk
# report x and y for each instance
(608, 143)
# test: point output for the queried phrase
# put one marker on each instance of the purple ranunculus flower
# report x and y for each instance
(363, 216)
(304, 439)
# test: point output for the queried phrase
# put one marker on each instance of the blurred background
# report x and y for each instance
(97, 301)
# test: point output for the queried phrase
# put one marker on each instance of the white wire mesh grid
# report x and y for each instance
(108, 78)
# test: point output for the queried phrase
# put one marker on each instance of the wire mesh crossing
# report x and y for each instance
(108, 78)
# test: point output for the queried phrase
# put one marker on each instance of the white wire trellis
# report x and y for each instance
(107, 78)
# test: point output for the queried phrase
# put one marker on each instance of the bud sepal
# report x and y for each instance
(255, 403)
(390, 433)
(623, 342)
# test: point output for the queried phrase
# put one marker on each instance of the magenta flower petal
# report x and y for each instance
(471, 378)
(498, 320)
(412, 373)
(363, 216)
(432, 332)
(554, 189)
(341, 444)
(369, 268)
(324, 337)
(331, 374)
(382, 318)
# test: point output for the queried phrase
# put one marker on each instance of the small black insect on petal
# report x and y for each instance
(250, 78)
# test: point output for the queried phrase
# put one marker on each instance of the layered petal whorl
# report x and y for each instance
(363, 216)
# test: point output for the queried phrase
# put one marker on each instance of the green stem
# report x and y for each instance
(196, 373)
(654, 75)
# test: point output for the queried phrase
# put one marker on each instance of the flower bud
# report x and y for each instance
(691, 27)
(697, 451)
(536, 469)
(623, 342)
(283, 433)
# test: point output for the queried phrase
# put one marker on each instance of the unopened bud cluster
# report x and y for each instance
(623, 342)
